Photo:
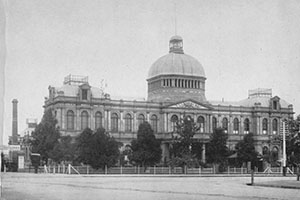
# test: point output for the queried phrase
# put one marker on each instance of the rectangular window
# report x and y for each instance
(275, 105)
(84, 94)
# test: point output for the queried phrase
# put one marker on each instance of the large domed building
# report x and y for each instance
(176, 89)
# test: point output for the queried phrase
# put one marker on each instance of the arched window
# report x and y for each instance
(153, 121)
(141, 119)
(114, 122)
(275, 126)
(174, 120)
(214, 123)
(235, 126)
(265, 126)
(201, 123)
(84, 120)
(98, 120)
(70, 120)
(246, 126)
(128, 123)
(225, 124)
(265, 151)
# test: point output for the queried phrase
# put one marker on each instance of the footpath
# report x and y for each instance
(289, 184)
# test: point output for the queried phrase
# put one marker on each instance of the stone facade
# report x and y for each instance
(172, 94)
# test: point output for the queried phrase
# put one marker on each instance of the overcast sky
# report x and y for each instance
(241, 44)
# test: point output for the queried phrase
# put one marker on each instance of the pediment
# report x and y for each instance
(85, 86)
(189, 105)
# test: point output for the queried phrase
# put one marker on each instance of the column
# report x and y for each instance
(241, 125)
(92, 120)
(60, 118)
(209, 129)
(77, 120)
(134, 127)
(230, 127)
(203, 153)
(165, 122)
(121, 122)
(105, 120)
(108, 120)
(165, 152)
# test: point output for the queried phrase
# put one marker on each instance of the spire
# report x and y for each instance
(175, 18)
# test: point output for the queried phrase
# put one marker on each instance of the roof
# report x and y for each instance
(176, 64)
(264, 102)
(176, 37)
(250, 102)
(73, 90)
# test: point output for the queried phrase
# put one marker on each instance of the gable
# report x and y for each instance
(85, 86)
(189, 104)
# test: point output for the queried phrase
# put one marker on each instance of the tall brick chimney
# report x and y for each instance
(15, 122)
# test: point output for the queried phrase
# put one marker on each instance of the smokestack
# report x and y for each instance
(15, 122)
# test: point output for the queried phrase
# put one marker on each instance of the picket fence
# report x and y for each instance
(155, 170)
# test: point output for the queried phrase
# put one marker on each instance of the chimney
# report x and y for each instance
(15, 122)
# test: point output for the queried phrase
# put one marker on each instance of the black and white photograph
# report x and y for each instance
(149, 99)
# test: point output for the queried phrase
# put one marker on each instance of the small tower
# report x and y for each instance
(176, 44)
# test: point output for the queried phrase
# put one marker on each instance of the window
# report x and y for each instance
(235, 126)
(84, 94)
(214, 123)
(84, 120)
(275, 126)
(141, 119)
(265, 151)
(98, 120)
(246, 126)
(265, 126)
(225, 124)
(114, 122)
(174, 120)
(201, 123)
(275, 105)
(153, 121)
(70, 120)
(128, 123)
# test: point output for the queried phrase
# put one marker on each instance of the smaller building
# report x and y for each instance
(26, 136)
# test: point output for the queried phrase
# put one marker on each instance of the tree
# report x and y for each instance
(246, 150)
(146, 149)
(64, 150)
(184, 149)
(293, 141)
(83, 146)
(45, 136)
(104, 149)
(217, 151)
(97, 149)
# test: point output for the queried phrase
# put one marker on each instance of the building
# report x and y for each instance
(176, 88)
(26, 137)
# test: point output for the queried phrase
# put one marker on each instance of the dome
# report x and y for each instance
(176, 76)
(176, 64)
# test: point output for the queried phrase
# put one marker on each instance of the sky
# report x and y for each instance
(242, 45)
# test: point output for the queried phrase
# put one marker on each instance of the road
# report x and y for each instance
(17, 186)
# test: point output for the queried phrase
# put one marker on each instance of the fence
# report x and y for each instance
(155, 170)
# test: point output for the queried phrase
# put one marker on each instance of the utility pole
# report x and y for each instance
(284, 150)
